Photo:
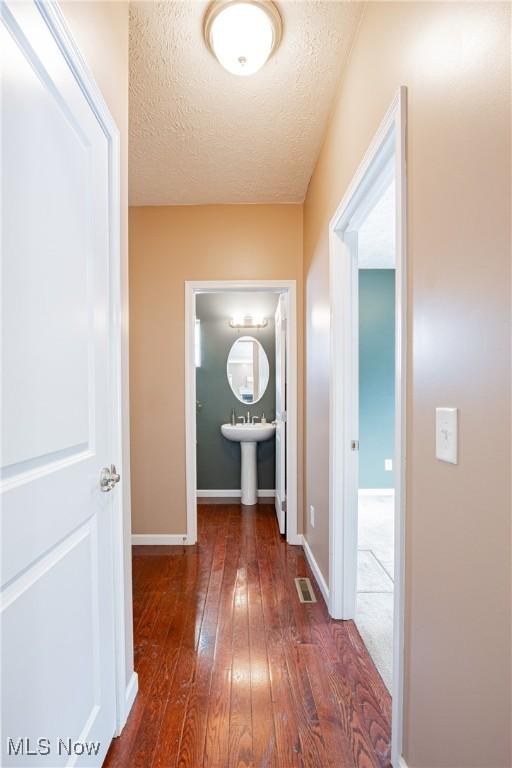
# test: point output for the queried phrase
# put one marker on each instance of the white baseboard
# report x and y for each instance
(131, 692)
(376, 492)
(233, 494)
(160, 538)
(129, 697)
(401, 763)
(316, 570)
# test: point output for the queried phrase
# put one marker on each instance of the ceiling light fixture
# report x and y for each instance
(242, 34)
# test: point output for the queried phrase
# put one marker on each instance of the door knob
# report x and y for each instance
(114, 475)
(108, 478)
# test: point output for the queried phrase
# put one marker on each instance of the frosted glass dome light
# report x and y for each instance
(242, 34)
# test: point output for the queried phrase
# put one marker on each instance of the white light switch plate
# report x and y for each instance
(446, 435)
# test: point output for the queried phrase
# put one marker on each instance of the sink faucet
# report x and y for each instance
(241, 418)
(253, 420)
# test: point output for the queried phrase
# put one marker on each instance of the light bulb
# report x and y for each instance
(242, 35)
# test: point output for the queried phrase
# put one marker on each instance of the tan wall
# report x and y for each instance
(169, 245)
(454, 59)
(101, 32)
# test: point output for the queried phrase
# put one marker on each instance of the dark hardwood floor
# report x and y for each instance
(234, 670)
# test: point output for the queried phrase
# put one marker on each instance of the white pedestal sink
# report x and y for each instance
(248, 435)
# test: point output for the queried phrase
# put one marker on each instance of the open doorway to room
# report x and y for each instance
(376, 416)
(367, 391)
(235, 349)
(241, 415)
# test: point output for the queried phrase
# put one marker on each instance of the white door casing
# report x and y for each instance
(280, 334)
(385, 157)
(289, 291)
(57, 600)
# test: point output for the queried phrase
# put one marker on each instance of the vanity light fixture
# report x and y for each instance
(242, 34)
(248, 322)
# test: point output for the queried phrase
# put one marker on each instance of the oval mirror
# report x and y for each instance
(247, 369)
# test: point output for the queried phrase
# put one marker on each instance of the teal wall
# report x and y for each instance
(218, 459)
(376, 376)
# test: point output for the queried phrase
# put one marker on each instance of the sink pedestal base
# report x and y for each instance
(248, 435)
(248, 479)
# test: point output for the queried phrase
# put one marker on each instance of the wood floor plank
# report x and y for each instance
(174, 718)
(196, 717)
(288, 743)
(179, 664)
(144, 720)
(240, 714)
(216, 753)
(234, 671)
(359, 691)
(166, 634)
(331, 725)
(216, 750)
(263, 731)
(312, 743)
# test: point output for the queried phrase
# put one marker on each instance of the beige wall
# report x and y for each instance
(101, 32)
(169, 245)
(454, 59)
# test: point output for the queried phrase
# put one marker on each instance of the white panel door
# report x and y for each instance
(57, 655)
(280, 331)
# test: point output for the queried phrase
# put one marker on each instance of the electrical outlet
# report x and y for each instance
(388, 465)
(312, 515)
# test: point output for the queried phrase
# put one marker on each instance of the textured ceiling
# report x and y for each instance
(201, 135)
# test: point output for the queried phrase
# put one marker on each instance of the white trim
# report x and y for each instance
(400, 424)
(401, 762)
(131, 691)
(388, 147)
(376, 492)
(233, 494)
(324, 589)
(57, 24)
(167, 539)
(287, 287)
(190, 415)
(343, 398)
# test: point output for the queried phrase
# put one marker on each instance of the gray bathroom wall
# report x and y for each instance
(218, 460)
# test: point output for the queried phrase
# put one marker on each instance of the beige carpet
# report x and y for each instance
(374, 612)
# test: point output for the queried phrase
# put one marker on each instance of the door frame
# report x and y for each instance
(388, 146)
(289, 289)
(126, 685)
(281, 368)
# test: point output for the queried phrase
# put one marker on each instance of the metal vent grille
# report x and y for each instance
(305, 590)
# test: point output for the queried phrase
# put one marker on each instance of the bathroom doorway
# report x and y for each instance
(241, 397)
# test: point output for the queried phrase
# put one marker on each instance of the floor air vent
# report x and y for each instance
(305, 590)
